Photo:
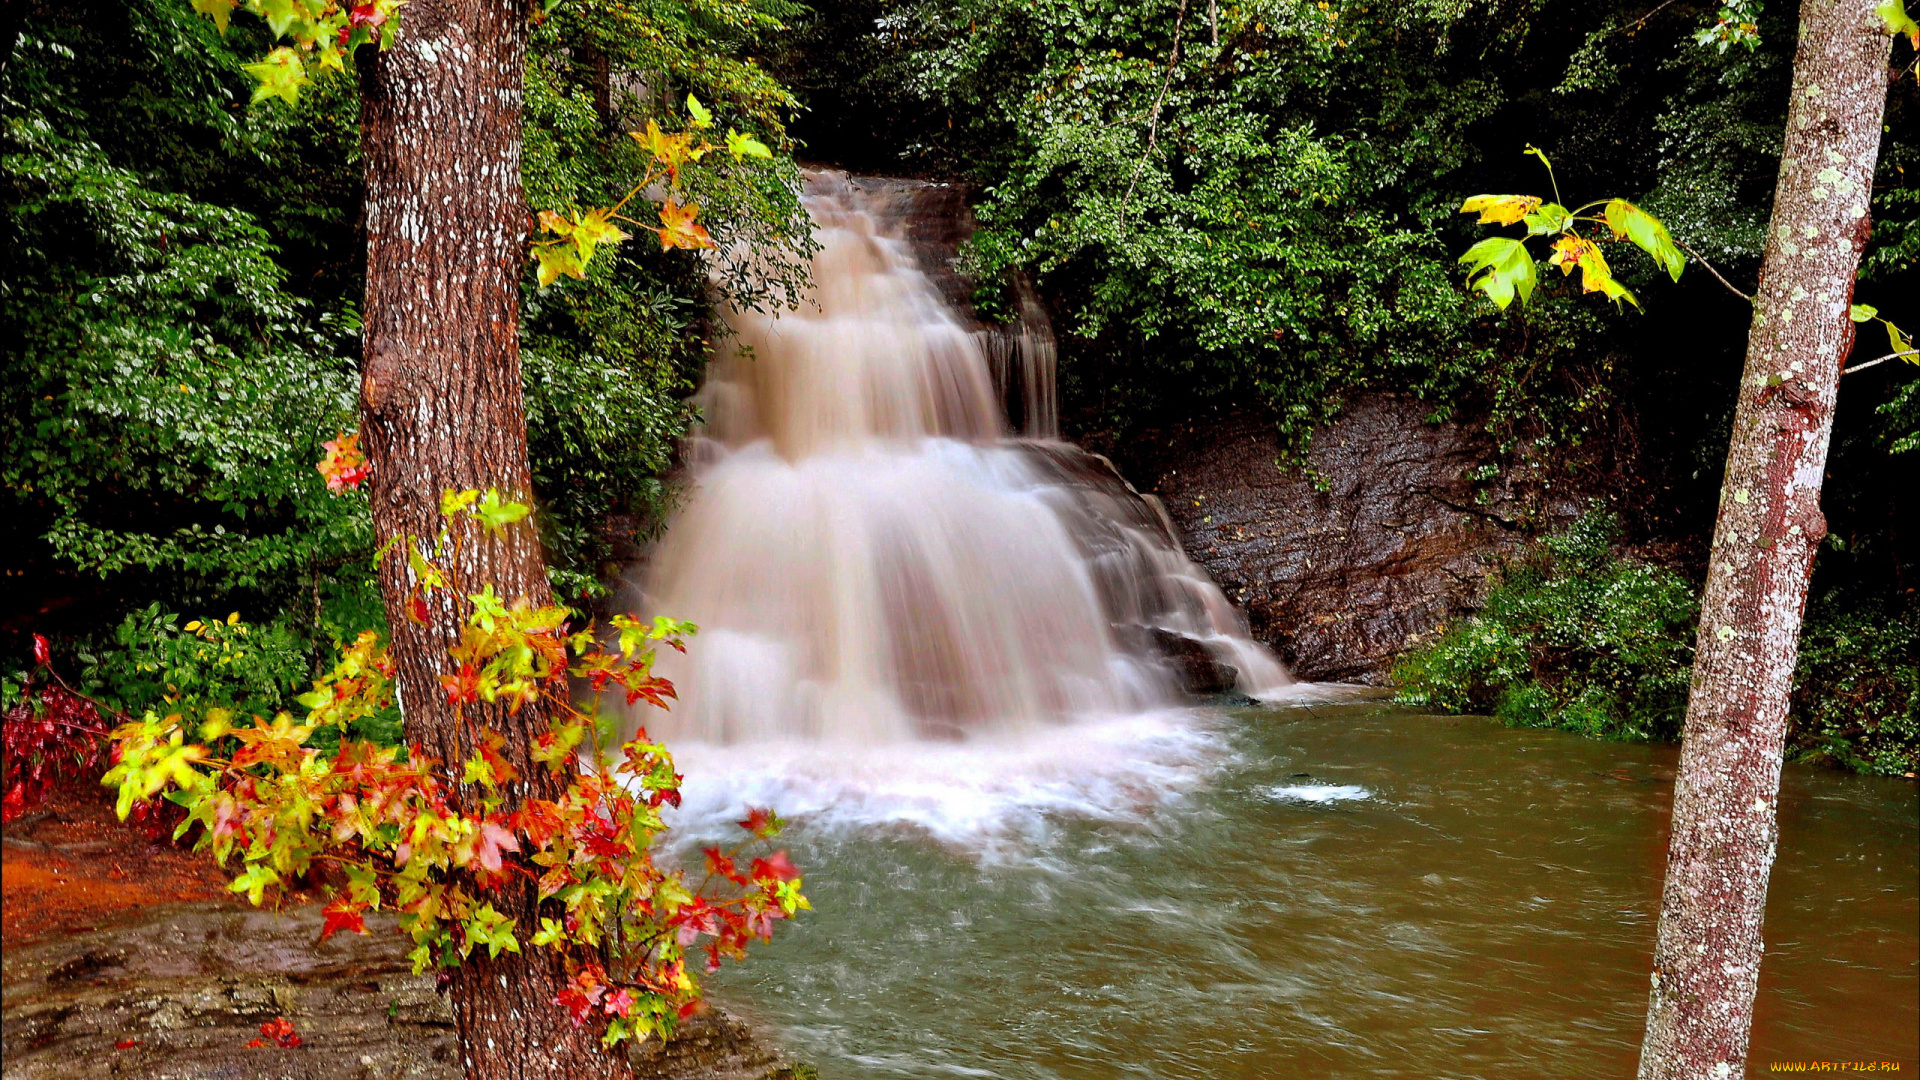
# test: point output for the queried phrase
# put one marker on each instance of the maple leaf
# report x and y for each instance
(746, 146)
(556, 261)
(669, 150)
(678, 229)
(42, 653)
(343, 465)
(220, 11)
(595, 227)
(277, 1032)
(1568, 251)
(1630, 222)
(462, 686)
(279, 14)
(776, 866)
(491, 842)
(344, 913)
(763, 823)
(618, 1003)
(1500, 209)
(718, 863)
(701, 117)
(1501, 267)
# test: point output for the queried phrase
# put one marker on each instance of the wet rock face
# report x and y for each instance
(1342, 581)
(178, 994)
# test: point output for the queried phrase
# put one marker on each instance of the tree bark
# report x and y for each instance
(1706, 962)
(442, 409)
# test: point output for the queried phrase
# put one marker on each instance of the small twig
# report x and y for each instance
(1153, 115)
(1881, 360)
(1696, 258)
(1645, 17)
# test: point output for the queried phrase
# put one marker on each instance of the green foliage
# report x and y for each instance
(179, 306)
(1572, 637)
(1856, 695)
(161, 664)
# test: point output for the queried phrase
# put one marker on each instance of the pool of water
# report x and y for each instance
(1331, 890)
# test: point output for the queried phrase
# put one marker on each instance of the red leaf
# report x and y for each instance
(776, 865)
(126, 1044)
(761, 822)
(280, 1030)
(493, 840)
(42, 654)
(723, 866)
(343, 914)
(464, 686)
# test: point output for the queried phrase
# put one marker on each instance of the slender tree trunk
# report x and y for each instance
(442, 408)
(1706, 964)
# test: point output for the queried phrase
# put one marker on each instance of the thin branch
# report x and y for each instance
(1644, 18)
(1696, 258)
(1881, 360)
(1153, 115)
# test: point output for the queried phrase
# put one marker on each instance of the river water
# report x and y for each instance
(1328, 890)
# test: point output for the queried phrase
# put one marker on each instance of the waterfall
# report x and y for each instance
(874, 554)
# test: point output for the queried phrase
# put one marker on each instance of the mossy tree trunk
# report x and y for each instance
(1707, 960)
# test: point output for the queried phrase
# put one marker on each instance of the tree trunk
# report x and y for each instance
(441, 399)
(1706, 964)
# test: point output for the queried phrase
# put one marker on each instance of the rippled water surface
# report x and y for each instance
(1336, 890)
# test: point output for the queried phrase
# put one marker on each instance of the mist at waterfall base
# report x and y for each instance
(928, 639)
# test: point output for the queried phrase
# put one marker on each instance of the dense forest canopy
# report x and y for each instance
(1225, 206)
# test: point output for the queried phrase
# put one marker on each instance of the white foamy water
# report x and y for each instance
(910, 612)
(993, 794)
(1319, 793)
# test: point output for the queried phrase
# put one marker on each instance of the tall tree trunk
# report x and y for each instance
(1706, 963)
(441, 399)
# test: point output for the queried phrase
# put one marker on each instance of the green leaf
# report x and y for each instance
(746, 146)
(281, 75)
(701, 117)
(1500, 267)
(496, 513)
(254, 882)
(280, 14)
(1862, 312)
(1900, 342)
(1893, 13)
(1645, 230)
(1549, 219)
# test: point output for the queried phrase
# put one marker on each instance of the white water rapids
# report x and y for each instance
(875, 559)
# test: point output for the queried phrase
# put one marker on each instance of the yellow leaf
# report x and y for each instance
(1500, 209)
(220, 11)
(595, 227)
(678, 228)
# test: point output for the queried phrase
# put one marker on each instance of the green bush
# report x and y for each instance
(1575, 636)
(1856, 695)
(1572, 637)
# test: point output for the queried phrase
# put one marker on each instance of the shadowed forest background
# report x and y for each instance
(1268, 230)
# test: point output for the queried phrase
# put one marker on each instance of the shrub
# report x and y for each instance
(1575, 636)
(1572, 636)
(1856, 695)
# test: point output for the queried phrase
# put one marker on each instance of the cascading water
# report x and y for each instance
(874, 557)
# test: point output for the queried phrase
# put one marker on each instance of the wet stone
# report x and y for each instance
(187, 987)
